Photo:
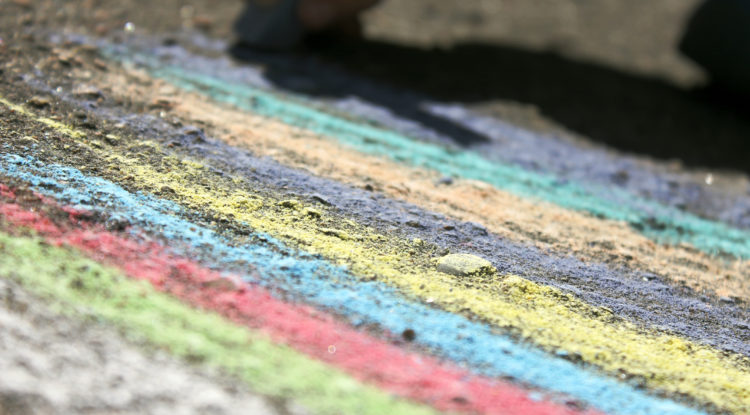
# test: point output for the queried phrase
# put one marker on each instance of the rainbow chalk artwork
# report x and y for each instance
(335, 258)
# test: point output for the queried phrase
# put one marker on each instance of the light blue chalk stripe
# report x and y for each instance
(659, 222)
(320, 283)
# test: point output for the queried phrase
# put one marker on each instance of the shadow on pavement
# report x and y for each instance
(629, 112)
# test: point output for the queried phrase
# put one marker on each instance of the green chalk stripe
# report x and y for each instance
(76, 283)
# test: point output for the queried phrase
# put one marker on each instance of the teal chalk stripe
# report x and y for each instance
(660, 223)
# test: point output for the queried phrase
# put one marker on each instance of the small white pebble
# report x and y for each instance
(464, 265)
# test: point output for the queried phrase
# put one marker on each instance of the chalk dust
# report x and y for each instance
(541, 224)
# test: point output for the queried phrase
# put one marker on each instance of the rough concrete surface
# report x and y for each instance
(52, 364)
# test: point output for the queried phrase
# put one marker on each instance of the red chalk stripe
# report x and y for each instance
(318, 334)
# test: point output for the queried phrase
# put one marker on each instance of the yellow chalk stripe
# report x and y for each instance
(543, 315)
(65, 129)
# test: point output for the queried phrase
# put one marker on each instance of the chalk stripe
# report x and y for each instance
(528, 149)
(671, 225)
(544, 315)
(314, 333)
(65, 276)
(649, 303)
(541, 314)
(362, 302)
(542, 224)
